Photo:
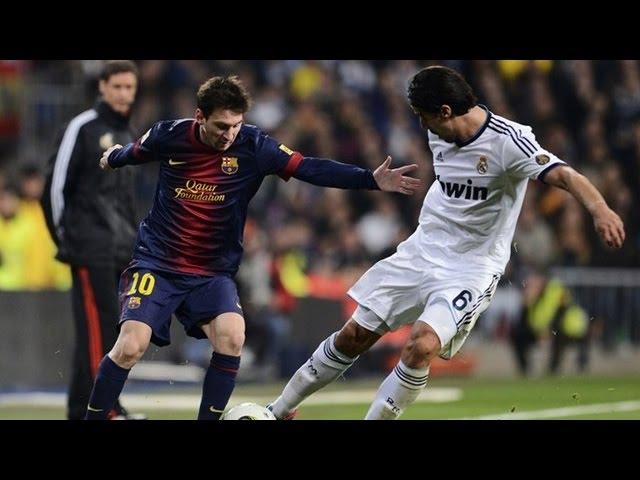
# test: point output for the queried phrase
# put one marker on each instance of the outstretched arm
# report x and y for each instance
(607, 223)
(104, 160)
(136, 153)
(329, 173)
(131, 154)
(393, 180)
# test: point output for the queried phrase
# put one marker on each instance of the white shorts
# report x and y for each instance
(404, 288)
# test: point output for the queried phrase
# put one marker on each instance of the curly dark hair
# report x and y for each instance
(435, 86)
(227, 93)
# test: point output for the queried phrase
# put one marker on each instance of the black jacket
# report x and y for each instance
(90, 212)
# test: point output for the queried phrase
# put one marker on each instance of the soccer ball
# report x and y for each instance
(248, 411)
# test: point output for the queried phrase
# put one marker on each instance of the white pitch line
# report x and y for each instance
(430, 395)
(191, 402)
(151, 401)
(596, 408)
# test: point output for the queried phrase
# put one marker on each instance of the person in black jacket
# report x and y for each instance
(91, 217)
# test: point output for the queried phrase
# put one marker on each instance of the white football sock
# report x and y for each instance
(325, 365)
(397, 392)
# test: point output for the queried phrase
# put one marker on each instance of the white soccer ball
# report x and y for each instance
(248, 411)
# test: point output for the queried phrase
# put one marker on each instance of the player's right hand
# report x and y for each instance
(393, 180)
(104, 160)
(609, 226)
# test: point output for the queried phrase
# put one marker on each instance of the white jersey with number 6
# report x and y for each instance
(447, 271)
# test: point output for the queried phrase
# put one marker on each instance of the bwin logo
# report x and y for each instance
(457, 190)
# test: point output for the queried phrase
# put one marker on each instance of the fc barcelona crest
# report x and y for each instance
(482, 166)
(229, 165)
(134, 302)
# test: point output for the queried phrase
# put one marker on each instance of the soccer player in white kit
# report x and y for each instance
(445, 274)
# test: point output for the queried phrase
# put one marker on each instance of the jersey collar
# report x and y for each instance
(112, 117)
(479, 132)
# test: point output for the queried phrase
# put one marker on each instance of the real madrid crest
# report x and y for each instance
(542, 159)
(229, 165)
(106, 141)
(482, 165)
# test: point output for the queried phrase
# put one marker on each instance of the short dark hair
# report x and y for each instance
(113, 67)
(28, 170)
(435, 86)
(227, 93)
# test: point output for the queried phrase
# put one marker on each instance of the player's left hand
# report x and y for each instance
(393, 180)
(104, 161)
(609, 226)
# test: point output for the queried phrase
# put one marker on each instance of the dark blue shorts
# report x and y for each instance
(151, 296)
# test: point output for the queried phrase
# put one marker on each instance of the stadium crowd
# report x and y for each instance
(303, 240)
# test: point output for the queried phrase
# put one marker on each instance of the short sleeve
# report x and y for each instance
(525, 158)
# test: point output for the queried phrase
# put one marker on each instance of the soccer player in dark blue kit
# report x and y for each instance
(189, 246)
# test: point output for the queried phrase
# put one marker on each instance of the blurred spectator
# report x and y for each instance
(43, 270)
(15, 231)
(586, 111)
(11, 92)
(574, 244)
(626, 101)
(26, 250)
(378, 229)
(549, 313)
(307, 80)
(533, 240)
(269, 109)
(512, 69)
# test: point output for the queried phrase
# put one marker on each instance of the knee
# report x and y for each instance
(230, 343)
(421, 348)
(353, 339)
(128, 350)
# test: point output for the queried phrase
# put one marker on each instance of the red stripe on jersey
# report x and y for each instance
(292, 166)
